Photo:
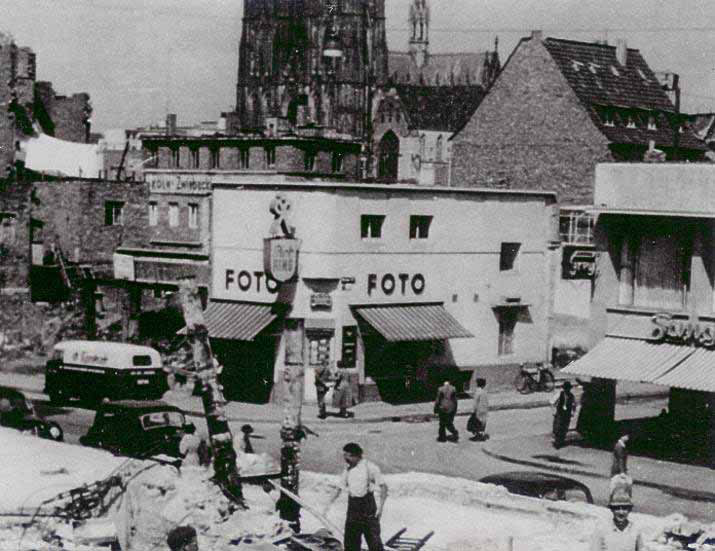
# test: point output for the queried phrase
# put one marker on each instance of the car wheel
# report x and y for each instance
(54, 432)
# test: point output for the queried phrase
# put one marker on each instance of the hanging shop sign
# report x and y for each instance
(321, 301)
(280, 250)
(682, 331)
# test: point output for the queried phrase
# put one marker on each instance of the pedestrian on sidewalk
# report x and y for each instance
(323, 376)
(620, 534)
(360, 479)
(620, 456)
(477, 423)
(565, 406)
(342, 395)
(445, 406)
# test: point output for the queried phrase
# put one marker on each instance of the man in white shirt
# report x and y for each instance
(620, 534)
(360, 478)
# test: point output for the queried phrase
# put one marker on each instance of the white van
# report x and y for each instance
(97, 369)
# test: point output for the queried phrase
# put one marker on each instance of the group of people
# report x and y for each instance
(445, 407)
(342, 394)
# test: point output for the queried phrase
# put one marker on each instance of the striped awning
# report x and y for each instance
(240, 321)
(413, 322)
(696, 372)
(629, 360)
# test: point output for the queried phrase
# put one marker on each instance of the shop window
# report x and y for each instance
(371, 226)
(194, 155)
(319, 348)
(270, 156)
(153, 213)
(419, 226)
(173, 214)
(507, 324)
(113, 213)
(214, 157)
(245, 155)
(508, 256)
(193, 215)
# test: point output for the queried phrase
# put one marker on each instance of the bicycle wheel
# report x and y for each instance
(521, 383)
(547, 380)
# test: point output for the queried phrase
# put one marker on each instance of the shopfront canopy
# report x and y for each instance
(240, 321)
(630, 360)
(412, 322)
(696, 372)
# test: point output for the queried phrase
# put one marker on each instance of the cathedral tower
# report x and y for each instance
(283, 72)
(419, 31)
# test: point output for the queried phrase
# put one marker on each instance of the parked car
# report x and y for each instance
(17, 412)
(541, 485)
(137, 428)
(94, 370)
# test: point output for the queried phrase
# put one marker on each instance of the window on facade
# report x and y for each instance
(270, 156)
(245, 156)
(507, 323)
(113, 213)
(153, 213)
(652, 123)
(508, 256)
(608, 118)
(175, 157)
(438, 149)
(371, 226)
(193, 215)
(309, 161)
(419, 226)
(337, 163)
(173, 214)
(423, 146)
(214, 157)
(194, 153)
(654, 267)
(630, 122)
(319, 348)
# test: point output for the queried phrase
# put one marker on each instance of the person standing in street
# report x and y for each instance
(445, 406)
(182, 538)
(564, 409)
(189, 447)
(323, 376)
(361, 478)
(480, 412)
(620, 456)
(620, 534)
(342, 396)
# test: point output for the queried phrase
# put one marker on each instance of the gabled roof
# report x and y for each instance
(441, 108)
(443, 69)
(600, 81)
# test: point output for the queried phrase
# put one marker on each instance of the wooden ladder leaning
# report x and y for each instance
(401, 543)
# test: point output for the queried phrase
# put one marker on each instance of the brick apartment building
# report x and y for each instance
(558, 108)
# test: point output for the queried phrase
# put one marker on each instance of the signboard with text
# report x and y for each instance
(280, 258)
(178, 183)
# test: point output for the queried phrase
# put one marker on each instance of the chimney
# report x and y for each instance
(171, 124)
(537, 35)
(621, 51)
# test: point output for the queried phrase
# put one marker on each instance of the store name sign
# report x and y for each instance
(667, 329)
(177, 184)
(391, 284)
(247, 280)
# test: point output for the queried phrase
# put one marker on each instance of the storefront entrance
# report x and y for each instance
(247, 374)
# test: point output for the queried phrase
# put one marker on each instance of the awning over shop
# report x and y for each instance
(630, 360)
(240, 321)
(696, 372)
(412, 322)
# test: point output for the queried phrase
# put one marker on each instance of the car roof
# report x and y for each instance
(534, 479)
(9, 392)
(141, 405)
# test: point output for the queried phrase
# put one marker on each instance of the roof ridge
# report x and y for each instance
(571, 41)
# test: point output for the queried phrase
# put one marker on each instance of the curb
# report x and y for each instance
(676, 491)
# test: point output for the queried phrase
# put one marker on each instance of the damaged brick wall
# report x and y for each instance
(8, 60)
(530, 132)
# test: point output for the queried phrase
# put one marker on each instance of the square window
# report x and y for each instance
(508, 256)
(153, 213)
(113, 213)
(419, 226)
(173, 214)
(371, 226)
(507, 324)
(193, 215)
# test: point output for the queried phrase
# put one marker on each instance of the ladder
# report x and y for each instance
(401, 543)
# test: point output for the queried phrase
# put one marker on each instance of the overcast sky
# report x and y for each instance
(139, 58)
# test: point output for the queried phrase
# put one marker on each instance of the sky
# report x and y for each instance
(139, 59)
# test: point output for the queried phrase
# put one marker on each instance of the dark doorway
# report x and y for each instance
(389, 155)
(247, 374)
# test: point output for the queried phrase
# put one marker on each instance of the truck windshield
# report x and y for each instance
(141, 360)
(162, 419)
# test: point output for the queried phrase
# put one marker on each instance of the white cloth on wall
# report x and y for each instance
(62, 158)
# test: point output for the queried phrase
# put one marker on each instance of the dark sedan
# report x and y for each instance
(541, 485)
(17, 412)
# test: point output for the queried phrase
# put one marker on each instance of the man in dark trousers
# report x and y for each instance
(620, 456)
(361, 478)
(323, 376)
(564, 409)
(445, 407)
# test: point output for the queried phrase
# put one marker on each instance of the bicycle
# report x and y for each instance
(534, 378)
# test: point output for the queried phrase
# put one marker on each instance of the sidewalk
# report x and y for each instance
(677, 479)
(367, 412)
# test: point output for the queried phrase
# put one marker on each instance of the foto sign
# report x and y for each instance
(280, 257)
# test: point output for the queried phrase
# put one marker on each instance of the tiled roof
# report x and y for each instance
(443, 108)
(440, 69)
(600, 81)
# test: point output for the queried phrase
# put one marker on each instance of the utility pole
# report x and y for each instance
(205, 367)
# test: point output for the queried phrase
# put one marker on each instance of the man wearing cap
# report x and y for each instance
(360, 478)
(182, 538)
(564, 409)
(620, 534)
